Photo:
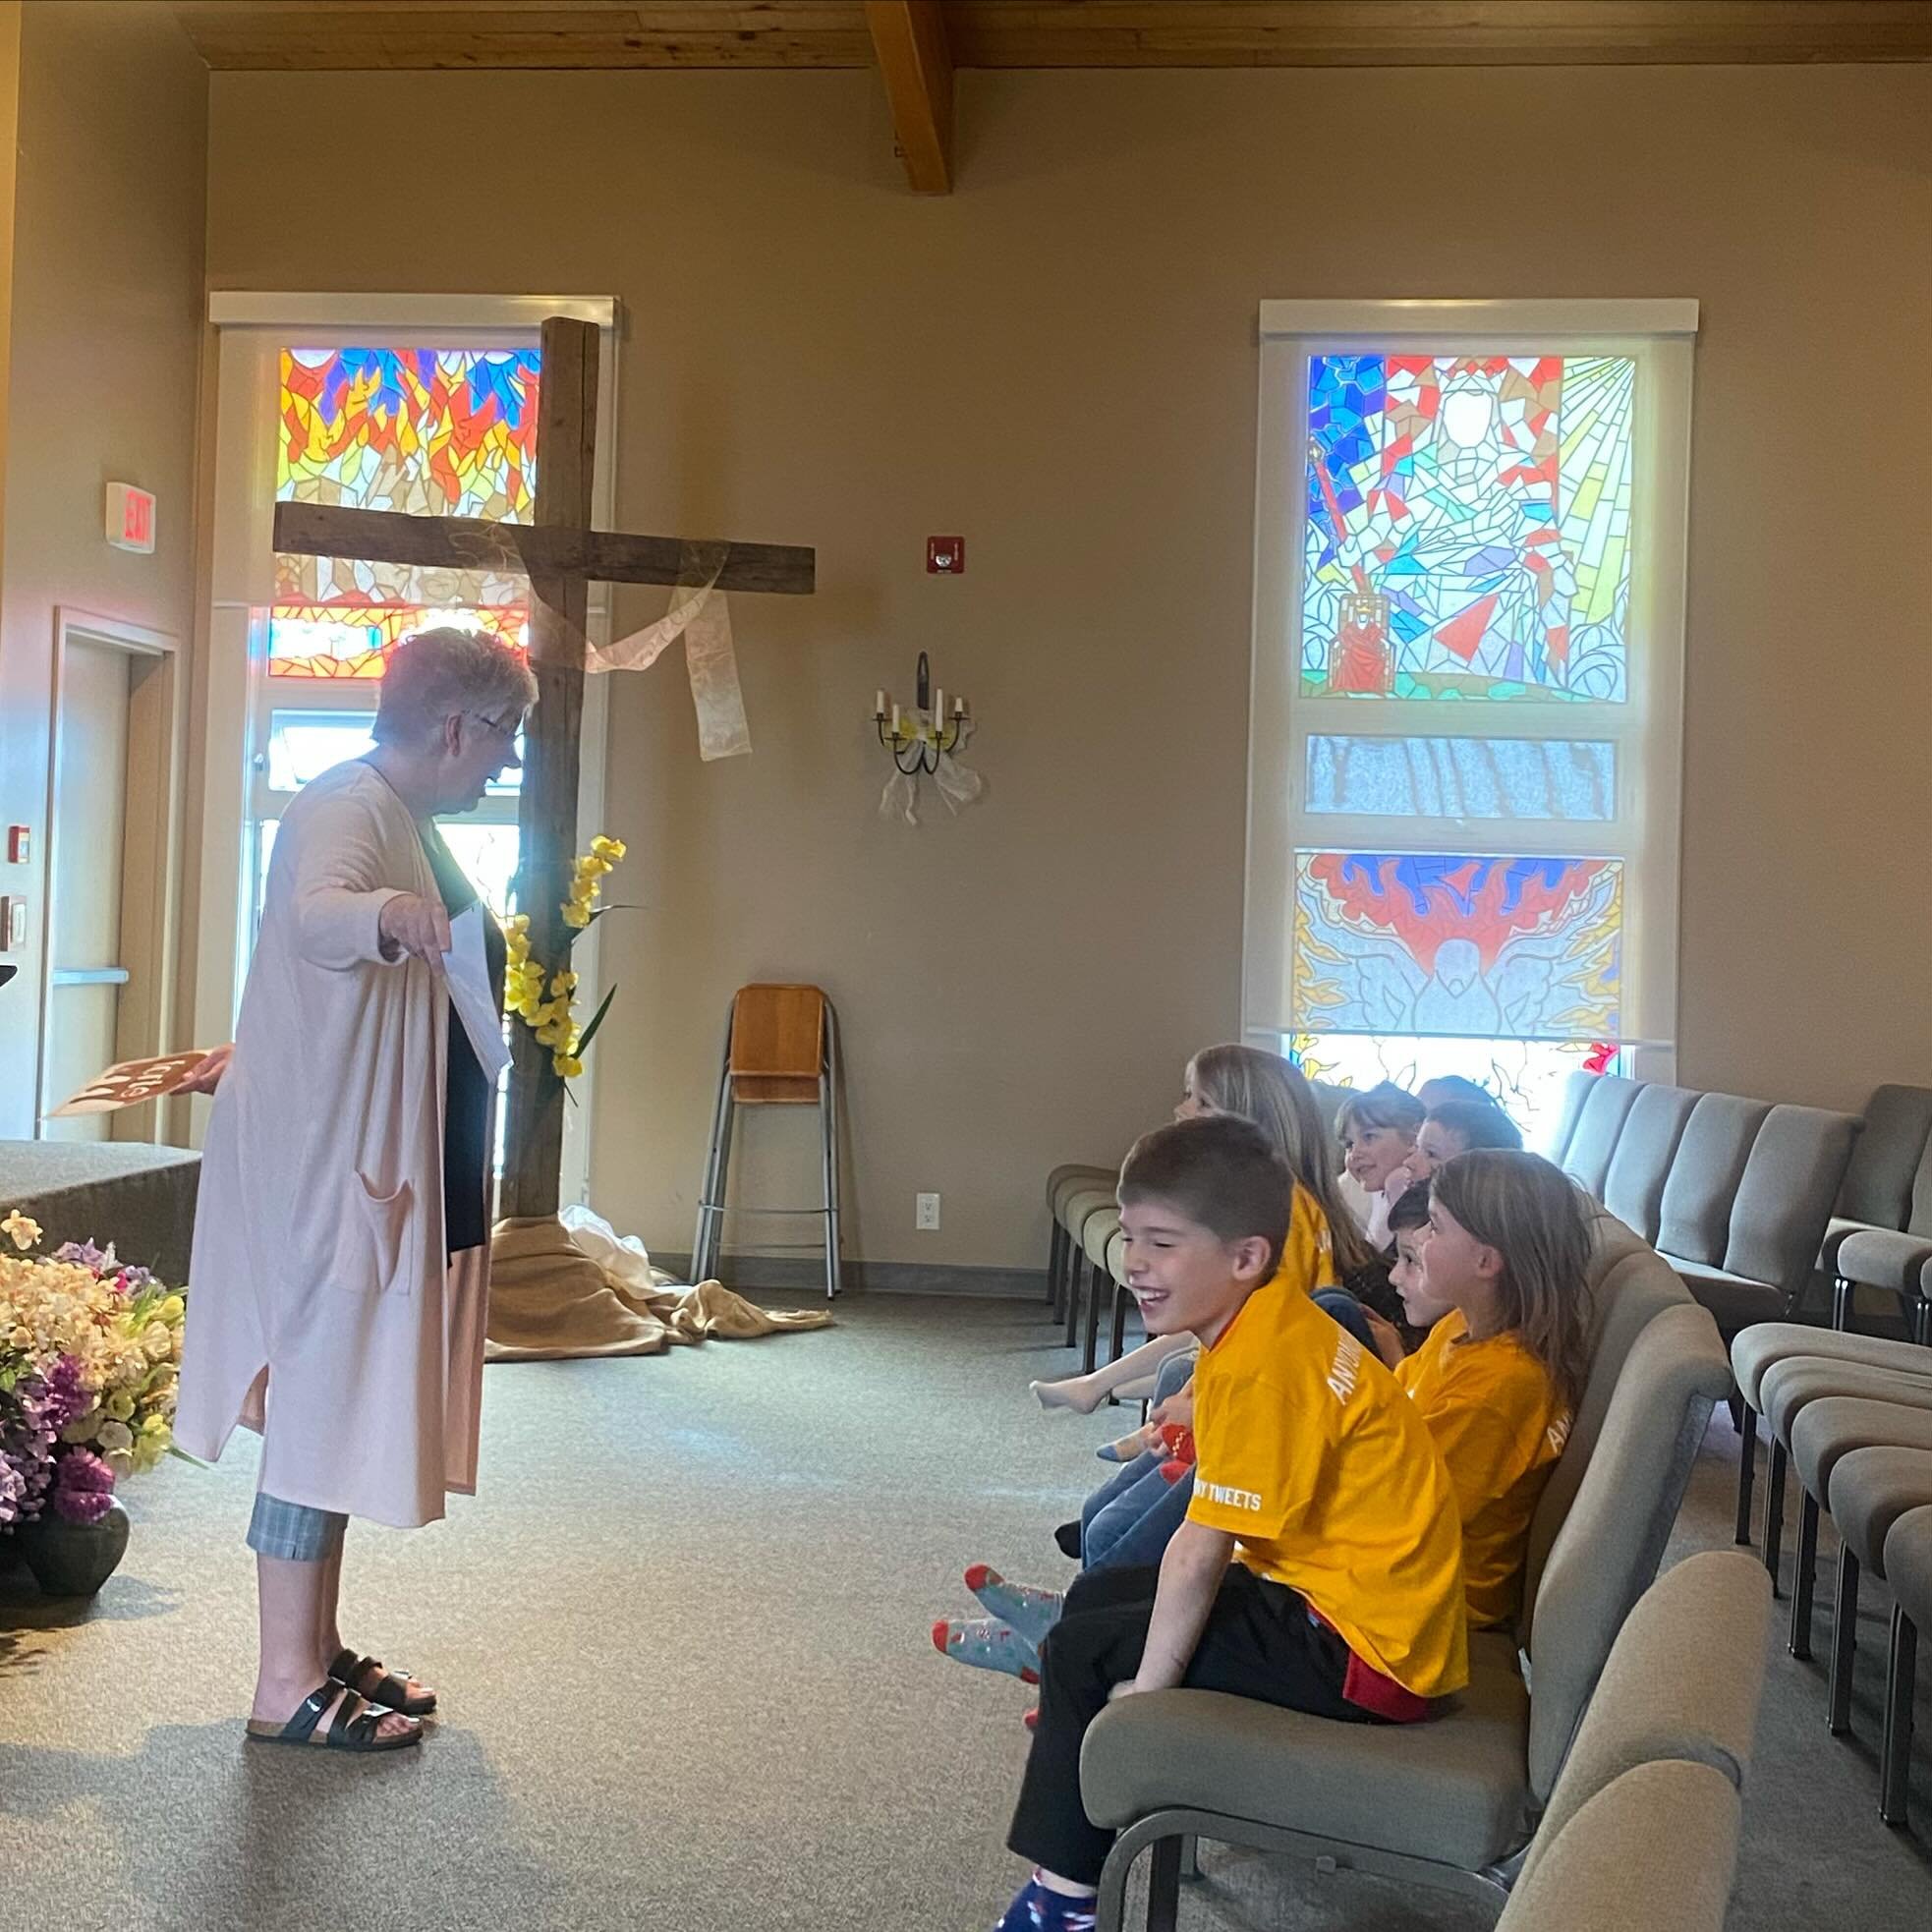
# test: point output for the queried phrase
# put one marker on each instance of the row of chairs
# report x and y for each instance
(1852, 1415)
(1456, 1803)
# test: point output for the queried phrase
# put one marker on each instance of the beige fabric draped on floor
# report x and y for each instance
(570, 1287)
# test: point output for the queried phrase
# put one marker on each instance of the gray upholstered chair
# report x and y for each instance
(1448, 1804)
(1897, 1262)
(1755, 1350)
(1908, 1569)
(1871, 1488)
(1889, 1183)
(1062, 1184)
(1657, 1848)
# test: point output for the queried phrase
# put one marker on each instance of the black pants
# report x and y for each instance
(1259, 1642)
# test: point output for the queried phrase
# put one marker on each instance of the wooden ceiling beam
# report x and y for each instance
(909, 37)
(470, 34)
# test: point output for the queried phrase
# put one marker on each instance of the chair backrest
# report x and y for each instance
(1329, 1099)
(1633, 1188)
(1693, 1219)
(1890, 1154)
(1919, 1221)
(1607, 1550)
(1577, 1090)
(1593, 1140)
(1683, 1681)
(1630, 1285)
(1793, 1174)
(778, 1045)
(1657, 1848)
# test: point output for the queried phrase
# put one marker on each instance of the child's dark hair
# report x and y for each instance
(1462, 1088)
(1219, 1170)
(1477, 1123)
(1382, 1106)
(1409, 1209)
(1534, 1216)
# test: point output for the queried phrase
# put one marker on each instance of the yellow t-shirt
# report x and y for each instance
(1500, 1424)
(1308, 1454)
(1308, 1253)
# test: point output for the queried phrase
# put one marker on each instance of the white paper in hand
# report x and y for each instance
(466, 967)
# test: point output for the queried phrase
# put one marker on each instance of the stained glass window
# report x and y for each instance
(1434, 943)
(1532, 778)
(1469, 525)
(424, 431)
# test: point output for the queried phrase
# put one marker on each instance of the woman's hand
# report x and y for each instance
(410, 923)
(208, 1076)
(1178, 1407)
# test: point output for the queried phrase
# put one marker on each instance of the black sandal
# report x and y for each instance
(353, 1728)
(390, 1691)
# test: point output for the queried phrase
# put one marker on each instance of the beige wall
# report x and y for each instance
(107, 228)
(1060, 362)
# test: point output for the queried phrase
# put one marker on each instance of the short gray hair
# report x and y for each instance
(433, 673)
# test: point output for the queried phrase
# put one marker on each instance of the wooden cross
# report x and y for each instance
(562, 554)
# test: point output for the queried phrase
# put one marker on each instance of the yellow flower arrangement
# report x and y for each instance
(545, 1002)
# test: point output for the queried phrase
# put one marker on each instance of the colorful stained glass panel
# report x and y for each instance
(1469, 525)
(1556, 778)
(1432, 943)
(329, 641)
(424, 431)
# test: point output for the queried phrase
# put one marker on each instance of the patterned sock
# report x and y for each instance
(1032, 1613)
(1038, 1909)
(988, 1644)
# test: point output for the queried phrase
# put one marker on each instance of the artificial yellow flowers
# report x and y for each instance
(544, 1004)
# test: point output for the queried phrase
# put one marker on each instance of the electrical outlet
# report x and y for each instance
(926, 1211)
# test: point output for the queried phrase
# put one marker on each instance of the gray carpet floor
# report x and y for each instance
(681, 1644)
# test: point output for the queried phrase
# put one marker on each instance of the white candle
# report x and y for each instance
(940, 707)
(959, 708)
(878, 703)
(896, 720)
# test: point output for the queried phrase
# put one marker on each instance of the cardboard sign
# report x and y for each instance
(132, 1082)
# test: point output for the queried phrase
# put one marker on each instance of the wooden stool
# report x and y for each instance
(780, 1050)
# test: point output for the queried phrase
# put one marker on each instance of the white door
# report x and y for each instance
(87, 975)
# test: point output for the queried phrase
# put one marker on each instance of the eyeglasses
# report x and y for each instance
(497, 725)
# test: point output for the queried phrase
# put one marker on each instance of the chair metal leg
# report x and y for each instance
(1164, 1886)
(1055, 1262)
(1774, 1512)
(1190, 1856)
(1841, 1302)
(1075, 1269)
(1097, 1287)
(1844, 1643)
(1895, 1754)
(834, 1244)
(1747, 1458)
(1120, 1300)
(1804, 1577)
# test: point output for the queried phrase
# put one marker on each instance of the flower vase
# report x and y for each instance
(73, 1560)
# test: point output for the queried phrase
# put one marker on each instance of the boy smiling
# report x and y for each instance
(1320, 1565)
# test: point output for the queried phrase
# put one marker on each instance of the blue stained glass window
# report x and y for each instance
(1567, 779)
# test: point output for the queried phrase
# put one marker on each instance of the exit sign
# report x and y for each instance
(130, 518)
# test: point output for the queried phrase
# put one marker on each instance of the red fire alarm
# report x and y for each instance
(18, 844)
(945, 556)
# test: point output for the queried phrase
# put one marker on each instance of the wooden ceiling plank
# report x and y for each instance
(909, 37)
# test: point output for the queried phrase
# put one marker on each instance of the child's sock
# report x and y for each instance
(1077, 1392)
(1032, 1613)
(1038, 1908)
(988, 1644)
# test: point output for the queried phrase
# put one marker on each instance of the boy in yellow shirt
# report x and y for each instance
(1320, 1565)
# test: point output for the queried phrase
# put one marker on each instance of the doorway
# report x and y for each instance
(112, 788)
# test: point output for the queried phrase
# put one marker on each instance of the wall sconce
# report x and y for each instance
(919, 739)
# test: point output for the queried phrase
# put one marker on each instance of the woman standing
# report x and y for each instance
(341, 1257)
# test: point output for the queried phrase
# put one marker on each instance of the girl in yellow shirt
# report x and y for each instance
(1503, 1369)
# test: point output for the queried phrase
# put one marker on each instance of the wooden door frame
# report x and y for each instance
(150, 863)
